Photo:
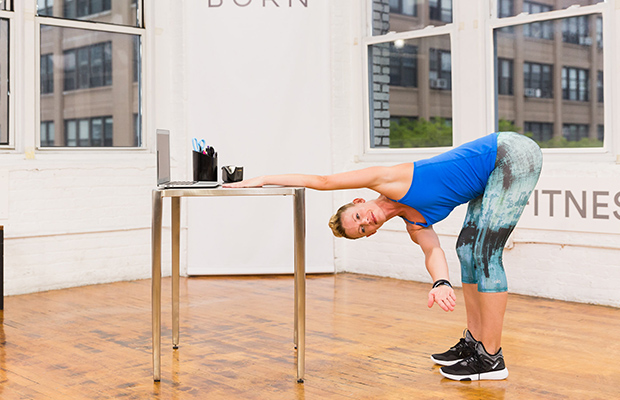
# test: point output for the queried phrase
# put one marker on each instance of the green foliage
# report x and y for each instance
(504, 125)
(508, 126)
(407, 133)
(563, 142)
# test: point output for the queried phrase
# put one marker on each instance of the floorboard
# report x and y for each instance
(367, 338)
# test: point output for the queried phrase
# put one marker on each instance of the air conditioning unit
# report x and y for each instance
(531, 92)
(438, 83)
(585, 40)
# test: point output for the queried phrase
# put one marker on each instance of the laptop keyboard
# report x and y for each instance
(181, 183)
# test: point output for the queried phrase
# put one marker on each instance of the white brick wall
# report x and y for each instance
(77, 223)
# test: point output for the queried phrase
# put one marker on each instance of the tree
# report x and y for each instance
(406, 133)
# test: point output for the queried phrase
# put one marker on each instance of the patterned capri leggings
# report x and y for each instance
(492, 216)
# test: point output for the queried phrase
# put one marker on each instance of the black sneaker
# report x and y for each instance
(463, 349)
(478, 366)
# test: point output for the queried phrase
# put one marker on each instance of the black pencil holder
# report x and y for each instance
(205, 167)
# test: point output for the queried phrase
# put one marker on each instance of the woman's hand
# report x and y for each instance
(253, 182)
(444, 296)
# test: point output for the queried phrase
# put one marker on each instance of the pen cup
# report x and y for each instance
(205, 167)
(231, 173)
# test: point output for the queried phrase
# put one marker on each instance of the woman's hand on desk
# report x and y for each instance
(247, 183)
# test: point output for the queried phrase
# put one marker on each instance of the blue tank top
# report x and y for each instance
(455, 177)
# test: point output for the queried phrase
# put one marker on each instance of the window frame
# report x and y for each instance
(96, 27)
(9, 15)
(366, 150)
(608, 152)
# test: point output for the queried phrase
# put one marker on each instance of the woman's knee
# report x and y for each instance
(492, 276)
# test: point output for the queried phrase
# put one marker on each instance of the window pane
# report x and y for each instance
(411, 97)
(506, 8)
(84, 133)
(553, 100)
(50, 133)
(505, 84)
(118, 12)
(70, 76)
(83, 68)
(407, 15)
(71, 132)
(97, 131)
(99, 90)
(96, 65)
(4, 81)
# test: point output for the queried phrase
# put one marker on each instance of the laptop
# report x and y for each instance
(163, 166)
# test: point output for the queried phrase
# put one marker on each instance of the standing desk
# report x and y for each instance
(299, 228)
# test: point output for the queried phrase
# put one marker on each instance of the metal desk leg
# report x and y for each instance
(296, 317)
(300, 280)
(176, 257)
(156, 282)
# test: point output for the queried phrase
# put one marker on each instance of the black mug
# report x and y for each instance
(205, 167)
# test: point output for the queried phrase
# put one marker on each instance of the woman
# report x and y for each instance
(494, 174)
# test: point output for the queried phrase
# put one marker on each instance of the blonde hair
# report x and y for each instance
(335, 222)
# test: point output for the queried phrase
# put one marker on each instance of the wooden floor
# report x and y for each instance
(367, 338)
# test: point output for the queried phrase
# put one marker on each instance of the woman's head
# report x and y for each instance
(357, 219)
(335, 222)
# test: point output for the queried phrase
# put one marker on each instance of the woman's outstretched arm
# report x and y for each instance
(376, 178)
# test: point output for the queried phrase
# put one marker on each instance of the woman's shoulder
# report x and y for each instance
(396, 182)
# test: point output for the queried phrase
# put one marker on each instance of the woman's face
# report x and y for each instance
(362, 219)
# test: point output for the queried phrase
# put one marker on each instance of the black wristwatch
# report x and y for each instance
(441, 282)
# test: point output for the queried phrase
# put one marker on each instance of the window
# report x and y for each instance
(599, 86)
(565, 114)
(408, 15)
(45, 7)
(4, 81)
(123, 12)
(576, 30)
(575, 132)
(47, 133)
(88, 67)
(136, 59)
(99, 101)
(537, 80)
(539, 131)
(504, 76)
(440, 69)
(538, 30)
(599, 32)
(440, 10)
(403, 65)
(404, 7)
(89, 132)
(137, 129)
(407, 112)
(505, 8)
(47, 73)
(575, 84)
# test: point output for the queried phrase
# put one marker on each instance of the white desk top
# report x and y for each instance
(220, 191)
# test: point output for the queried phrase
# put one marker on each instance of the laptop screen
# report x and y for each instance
(163, 156)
